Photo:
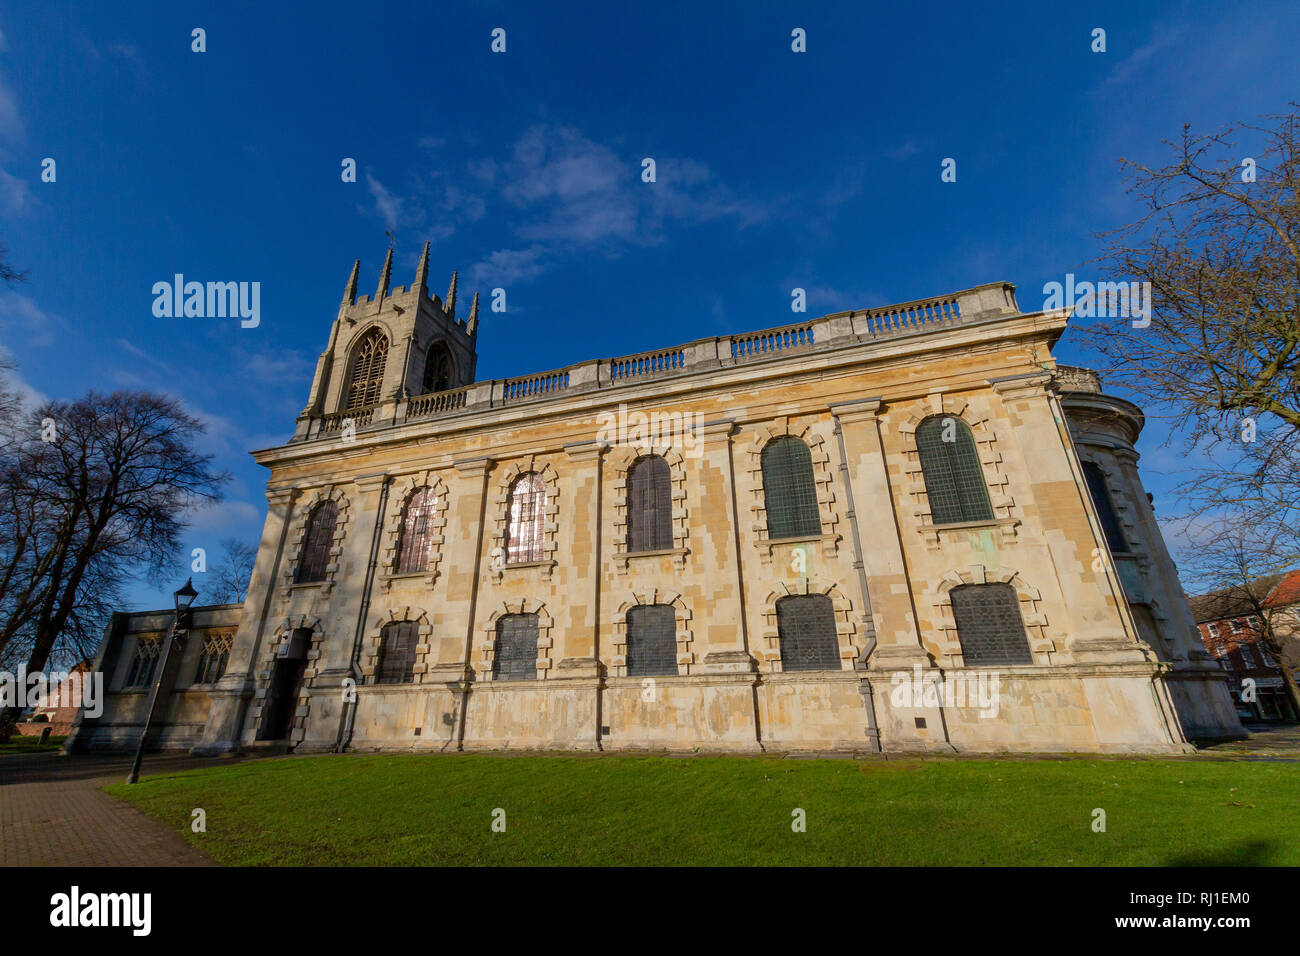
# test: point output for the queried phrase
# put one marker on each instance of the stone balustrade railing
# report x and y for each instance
(830, 331)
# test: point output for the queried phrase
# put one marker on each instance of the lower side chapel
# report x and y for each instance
(897, 529)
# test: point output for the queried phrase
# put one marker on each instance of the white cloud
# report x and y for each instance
(22, 319)
(387, 205)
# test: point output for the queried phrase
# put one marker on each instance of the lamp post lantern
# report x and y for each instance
(183, 597)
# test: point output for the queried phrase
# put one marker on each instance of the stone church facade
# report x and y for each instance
(898, 529)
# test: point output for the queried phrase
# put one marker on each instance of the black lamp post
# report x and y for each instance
(184, 597)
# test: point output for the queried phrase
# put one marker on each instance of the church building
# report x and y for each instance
(892, 529)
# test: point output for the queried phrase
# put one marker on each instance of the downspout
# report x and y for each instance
(473, 604)
(350, 714)
(859, 564)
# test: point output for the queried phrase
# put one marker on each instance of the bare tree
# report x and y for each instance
(8, 274)
(1219, 243)
(1240, 563)
(232, 574)
(95, 490)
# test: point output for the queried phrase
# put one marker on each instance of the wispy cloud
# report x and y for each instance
(563, 194)
(22, 319)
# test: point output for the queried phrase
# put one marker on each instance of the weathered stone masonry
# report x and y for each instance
(867, 503)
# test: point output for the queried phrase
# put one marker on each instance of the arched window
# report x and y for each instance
(396, 664)
(789, 491)
(649, 505)
(805, 624)
(368, 362)
(651, 640)
(1101, 500)
(417, 522)
(989, 626)
(525, 531)
(143, 664)
(215, 656)
(516, 650)
(954, 479)
(437, 369)
(317, 543)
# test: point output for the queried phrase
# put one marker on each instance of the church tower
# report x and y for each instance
(397, 344)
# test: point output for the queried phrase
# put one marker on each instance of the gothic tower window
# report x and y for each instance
(368, 363)
(950, 465)
(437, 369)
(651, 640)
(317, 543)
(516, 648)
(805, 625)
(649, 505)
(989, 626)
(789, 490)
(525, 530)
(1101, 500)
(417, 523)
(396, 664)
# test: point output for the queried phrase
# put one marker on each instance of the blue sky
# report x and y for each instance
(819, 170)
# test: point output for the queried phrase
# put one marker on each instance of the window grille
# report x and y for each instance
(368, 364)
(214, 657)
(396, 664)
(954, 478)
(789, 491)
(1101, 500)
(525, 532)
(516, 651)
(989, 627)
(649, 505)
(651, 640)
(144, 663)
(805, 625)
(416, 532)
(437, 369)
(317, 543)
(1247, 658)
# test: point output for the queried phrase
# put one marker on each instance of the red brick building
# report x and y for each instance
(1231, 628)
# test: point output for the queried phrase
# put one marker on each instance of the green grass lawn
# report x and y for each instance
(30, 745)
(438, 809)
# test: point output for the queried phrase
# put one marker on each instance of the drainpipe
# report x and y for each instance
(484, 485)
(869, 626)
(350, 714)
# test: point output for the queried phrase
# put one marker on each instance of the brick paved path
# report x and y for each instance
(53, 813)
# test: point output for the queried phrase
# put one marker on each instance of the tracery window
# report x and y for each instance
(526, 524)
(437, 369)
(416, 531)
(368, 363)
(144, 663)
(214, 657)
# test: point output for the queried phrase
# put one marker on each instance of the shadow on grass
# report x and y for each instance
(1253, 853)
